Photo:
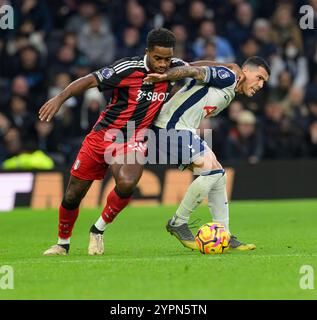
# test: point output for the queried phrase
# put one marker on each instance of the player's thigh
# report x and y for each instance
(127, 166)
(206, 161)
(127, 175)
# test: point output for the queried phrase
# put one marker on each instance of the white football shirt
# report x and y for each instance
(198, 100)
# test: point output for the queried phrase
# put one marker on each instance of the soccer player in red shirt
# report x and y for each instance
(132, 101)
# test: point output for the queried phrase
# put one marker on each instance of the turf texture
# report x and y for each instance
(142, 261)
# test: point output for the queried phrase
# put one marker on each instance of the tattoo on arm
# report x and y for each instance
(178, 73)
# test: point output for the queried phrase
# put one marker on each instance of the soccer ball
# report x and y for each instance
(212, 238)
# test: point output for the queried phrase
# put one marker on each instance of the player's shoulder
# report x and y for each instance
(223, 72)
(221, 76)
(128, 63)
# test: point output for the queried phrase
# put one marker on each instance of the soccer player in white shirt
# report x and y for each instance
(209, 92)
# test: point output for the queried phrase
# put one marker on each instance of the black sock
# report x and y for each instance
(94, 229)
(65, 246)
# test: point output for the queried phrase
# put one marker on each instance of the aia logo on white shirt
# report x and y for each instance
(209, 110)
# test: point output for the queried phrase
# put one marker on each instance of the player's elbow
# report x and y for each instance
(91, 81)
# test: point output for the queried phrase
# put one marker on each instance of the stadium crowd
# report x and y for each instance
(55, 42)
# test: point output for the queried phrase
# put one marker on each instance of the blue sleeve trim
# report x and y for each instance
(219, 77)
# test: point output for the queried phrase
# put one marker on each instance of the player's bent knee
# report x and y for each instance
(71, 200)
(126, 187)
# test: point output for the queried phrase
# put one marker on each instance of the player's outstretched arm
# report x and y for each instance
(230, 65)
(177, 73)
(209, 63)
(51, 107)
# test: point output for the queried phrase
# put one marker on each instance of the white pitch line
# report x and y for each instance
(153, 259)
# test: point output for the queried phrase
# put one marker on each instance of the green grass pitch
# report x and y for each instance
(142, 261)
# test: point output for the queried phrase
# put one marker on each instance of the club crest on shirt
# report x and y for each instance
(107, 73)
(223, 74)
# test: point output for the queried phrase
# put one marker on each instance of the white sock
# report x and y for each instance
(218, 203)
(195, 194)
(101, 224)
(63, 241)
(178, 220)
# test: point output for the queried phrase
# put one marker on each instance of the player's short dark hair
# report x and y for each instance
(258, 62)
(160, 37)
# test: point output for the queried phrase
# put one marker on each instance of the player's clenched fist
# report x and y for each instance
(49, 109)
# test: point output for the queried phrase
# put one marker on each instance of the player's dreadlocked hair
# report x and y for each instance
(257, 62)
(160, 37)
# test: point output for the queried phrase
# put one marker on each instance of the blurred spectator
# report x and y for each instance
(4, 125)
(262, 33)
(312, 61)
(92, 104)
(240, 29)
(245, 143)
(27, 35)
(248, 48)
(12, 142)
(20, 117)
(97, 42)
(291, 98)
(31, 66)
(282, 138)
(35, 11)
(20, 86)
(312, 139)
(197, 13)
(62, 80)
(235, 110)
(294, 62)
(63, 61)
(284, 27)
(86, 10)
(70, 40)
(311, 98)
(4, 128)
(81, 67)
(167, 16)
(132, 45)
(209, 52)
(207, 33)
(136, 18)
(47, 138)
(183, 49)
(69, 114)
(283, 85)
